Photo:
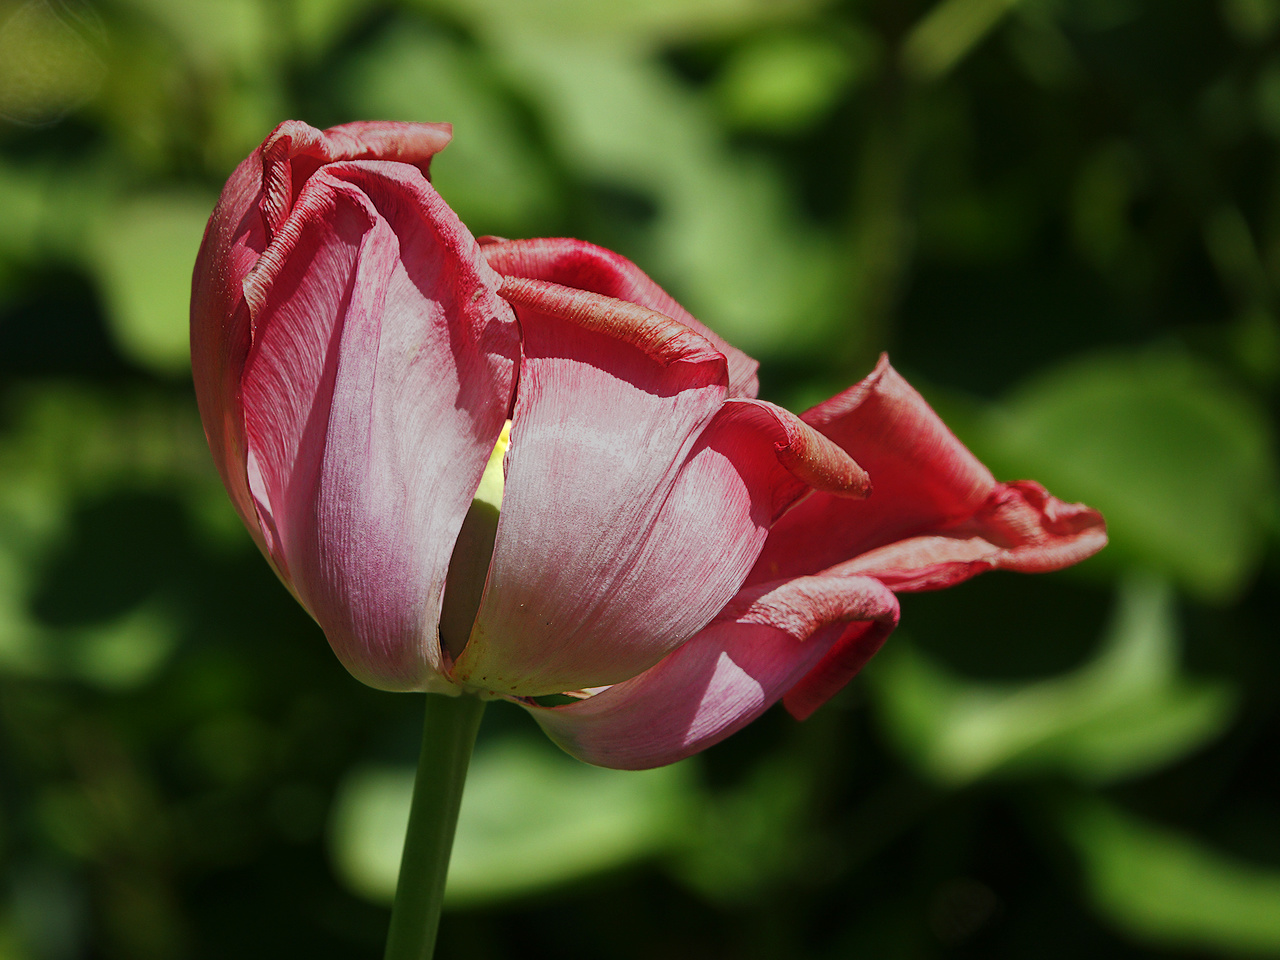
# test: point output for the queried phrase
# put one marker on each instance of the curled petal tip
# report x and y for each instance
(294, 150)
(820, 463)
(809, 456)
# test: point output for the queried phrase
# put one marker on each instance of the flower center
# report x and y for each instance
(469, 565)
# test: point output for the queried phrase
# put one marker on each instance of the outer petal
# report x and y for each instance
(1020, 527)
(727, 675)
(379, 379)
(294, 151)
(256, 199)
(576, 263)
(220, 337)
(934, 502)
(813, 461)
(937, 516)
(635, 501)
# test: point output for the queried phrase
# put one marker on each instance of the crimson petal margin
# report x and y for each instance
(813, 461)
(1019, 528)
(927, 484)
(295, 150)
(585, 266)
(379, 379)
(765, 641)
(937, 515)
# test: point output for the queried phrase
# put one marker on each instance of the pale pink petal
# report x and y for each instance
(379, 379)
(636, 501)
(576, 263)
(260, 193)
(728, 674)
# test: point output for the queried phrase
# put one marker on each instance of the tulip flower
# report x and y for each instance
(519, 469)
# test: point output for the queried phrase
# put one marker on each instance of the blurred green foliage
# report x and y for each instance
(1059, 216)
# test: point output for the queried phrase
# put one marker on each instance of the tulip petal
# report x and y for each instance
(813, 461)
(255, 201)
(584, 266)
(931, 496)
(295, 150)
(379, 379)
(767, 639)
(635, 500)
(937, 515)
(1020, 527)
(220, 337)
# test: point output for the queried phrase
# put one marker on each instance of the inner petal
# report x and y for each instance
(469, 564)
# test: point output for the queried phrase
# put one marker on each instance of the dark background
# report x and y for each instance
(1061, 220)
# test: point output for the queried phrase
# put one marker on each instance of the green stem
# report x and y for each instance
(447, 738)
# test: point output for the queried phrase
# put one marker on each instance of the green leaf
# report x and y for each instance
(784, 82)
(639, 21)
(948, 32)
(1125, 713)
(215, 33)
(1179, 462)
(319, 23)
(49, 208)
(741, 840)
(531, 818)
(49, 61)
(725, 235)
(66, 445)
(1165, 888)
(144, 253)
(490, 173)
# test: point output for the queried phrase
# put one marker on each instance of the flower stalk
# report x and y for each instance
(448, 736)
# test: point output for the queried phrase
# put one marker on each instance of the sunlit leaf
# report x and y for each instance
(144, 253)
(644, 21)
(786, 81)
(63, 446)
(490, 173)
(47, 210)
(125, 653)
(214, 32)
(1125, 713)
(531, 818)
(50, 60)
(725, 236)
(741, 840)
(1168, 889)
(319, 23)
(1179, 462)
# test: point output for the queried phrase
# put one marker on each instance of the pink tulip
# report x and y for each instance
(669, 551)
